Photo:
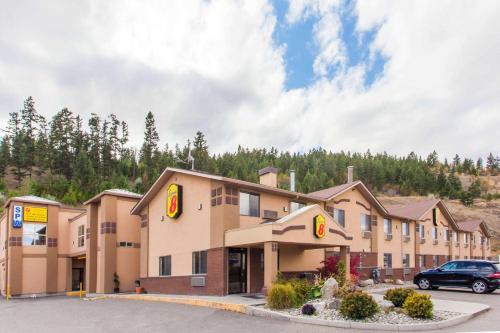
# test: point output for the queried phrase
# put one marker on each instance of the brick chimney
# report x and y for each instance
(269, 176)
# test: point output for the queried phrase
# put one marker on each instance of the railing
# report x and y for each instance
(367, 234)
(406, 239)
(388, 237)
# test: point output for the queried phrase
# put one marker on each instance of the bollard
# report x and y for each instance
(81, 290)
(8, 293)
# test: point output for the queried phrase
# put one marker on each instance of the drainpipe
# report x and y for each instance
(292, 180)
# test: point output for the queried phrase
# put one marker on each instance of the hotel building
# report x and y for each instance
(197, 233)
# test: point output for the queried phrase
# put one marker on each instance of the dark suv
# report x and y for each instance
(482, 276)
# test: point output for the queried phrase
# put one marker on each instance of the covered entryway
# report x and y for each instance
(294, 243)
(77, 273)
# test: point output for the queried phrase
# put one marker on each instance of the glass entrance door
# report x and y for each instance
(237, 271)
(77, 278)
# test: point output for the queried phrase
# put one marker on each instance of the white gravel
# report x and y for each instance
(391, 317)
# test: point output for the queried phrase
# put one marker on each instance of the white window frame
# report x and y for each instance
(296, 205)
(169, 257)
(406, 260)
(81, 235)
(446, 234)
(34, 235)
(198, 267)
(435, 233)
(405, 229)
(387, 260)
(365, 222)
(388, 226)
(421, 231)
(249, 212)
(337, 214)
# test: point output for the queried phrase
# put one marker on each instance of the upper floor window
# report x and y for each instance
(466, 238)
(249, 204)
(365, 222)
(421, 260)
(296, 206)
(434, 233)
(81, 235)
(165, 265)
(339, 216)
(387, 226)
(455, 236)
(200, 262)
(446, 235)
(405, 228)
(421, 231)
(34, 234)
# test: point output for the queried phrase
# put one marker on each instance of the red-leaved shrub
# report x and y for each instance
(330, 265)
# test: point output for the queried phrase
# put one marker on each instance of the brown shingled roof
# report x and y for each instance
(330, 192)
(470, 225)
(414, 210)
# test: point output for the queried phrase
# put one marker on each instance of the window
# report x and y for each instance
(466, 238)
(339, 216)
(405, 229)
(455, 236)
(165, 265)
(451, 266)
(421, 261)
(296, 206)
(126, 244)
(365, 222)
(434, 261)
(249, 204)
(200, 262)
(447, 235)
(81, 235)
(34, 234)
(421, 231)
(434, 233)
(387, 260)
(406, 260)
(388, 226)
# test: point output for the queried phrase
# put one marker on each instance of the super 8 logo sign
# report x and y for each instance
(319, 226)
(174, 201)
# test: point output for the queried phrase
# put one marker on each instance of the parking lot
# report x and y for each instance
(62, 314)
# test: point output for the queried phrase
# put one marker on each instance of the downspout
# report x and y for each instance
(7, 254)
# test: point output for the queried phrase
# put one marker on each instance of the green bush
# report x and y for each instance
(302, 289)
(358, 305)
(281, 296)
(348, 288)
(418, 306)
(341, 274)
(398, 296)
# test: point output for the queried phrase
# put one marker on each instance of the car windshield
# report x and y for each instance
(497, 266)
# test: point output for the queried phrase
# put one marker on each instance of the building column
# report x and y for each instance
(91, 249)
(270, 263)
(345, 256)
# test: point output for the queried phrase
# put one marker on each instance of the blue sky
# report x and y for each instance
(302, 48)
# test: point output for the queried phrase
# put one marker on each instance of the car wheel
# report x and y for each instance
(424, 283)
(479, 287)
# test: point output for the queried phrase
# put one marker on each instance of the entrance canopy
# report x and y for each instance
(311, 227)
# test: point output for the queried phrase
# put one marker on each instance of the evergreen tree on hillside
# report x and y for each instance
(492, 164)
(475, 189)
(149, 151)
(60, 142)
(4, 155)
(479, 164)
(17, 146)
(457, 165)
(200, 153)
(455, 186)
(29, 121)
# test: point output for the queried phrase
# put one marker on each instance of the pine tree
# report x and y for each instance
(479, 164)
(200, 153)
(457, 165)
(60, 142)
(18, 148)
(442, 184)
(149, 150)
(4, 155)
(455, 186)
(29, 120)
(492, 164)
(475, 189)
(433, 159)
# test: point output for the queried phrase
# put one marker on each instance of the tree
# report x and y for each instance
(18, 148)
(432, 159)
(200, 153)
(4, 155)
(492, 164)
(479, 164)
(149, 150)
(475, 189)
(60, 142)
(455, 186)
(29, 121)
(457, 163)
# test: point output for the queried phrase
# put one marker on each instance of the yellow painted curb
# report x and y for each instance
(196, 302)
(74, 293)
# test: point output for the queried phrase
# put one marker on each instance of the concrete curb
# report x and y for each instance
(195, 302)
(256, 311)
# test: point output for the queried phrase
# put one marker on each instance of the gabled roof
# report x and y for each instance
(115, 192)
(32, 199)
(168, 172)
(414, 210)
(473, 225)
(332, 192)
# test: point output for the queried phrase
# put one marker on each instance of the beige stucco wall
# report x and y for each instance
(293, 258)
(353, 216)
(179, 237)
(3, 238)
(34, 275)
(443, 224)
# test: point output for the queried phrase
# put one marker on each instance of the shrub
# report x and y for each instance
(308, 309)
(340, 275)
(398, 296)
(348, 288)
(358, 305)
(330, 265)
(281, 296)
(418, 306)
(302, 289)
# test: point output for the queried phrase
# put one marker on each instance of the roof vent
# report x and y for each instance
(269, 176)
(350, 174)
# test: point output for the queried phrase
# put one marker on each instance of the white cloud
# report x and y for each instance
(213, 66)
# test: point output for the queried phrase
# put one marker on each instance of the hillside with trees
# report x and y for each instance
(65, 159)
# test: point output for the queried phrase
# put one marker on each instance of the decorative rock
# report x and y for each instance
(330, 288)
(386, 305)
(366, 283)
(334, 304)
(398, 310)
(389, 281)
(319, 306)
(398, 281)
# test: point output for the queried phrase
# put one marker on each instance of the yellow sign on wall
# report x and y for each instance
(35, 214)
(319, 226)
(174, 201)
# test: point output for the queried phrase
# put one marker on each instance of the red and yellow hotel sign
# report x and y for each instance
(319, 226)
(174, 201)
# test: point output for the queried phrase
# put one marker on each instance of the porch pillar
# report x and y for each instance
(345, 256)
(270, 263)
